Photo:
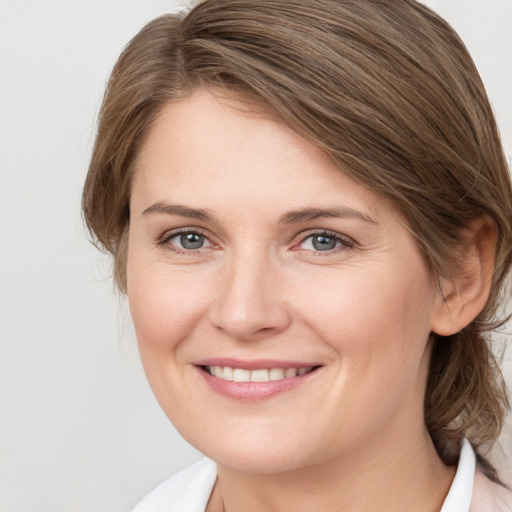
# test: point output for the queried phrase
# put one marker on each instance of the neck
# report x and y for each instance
(387, 473)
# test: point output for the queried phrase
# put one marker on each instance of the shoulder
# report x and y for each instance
(489, 497)
(186, 491)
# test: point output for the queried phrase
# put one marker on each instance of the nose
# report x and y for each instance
(250, 303)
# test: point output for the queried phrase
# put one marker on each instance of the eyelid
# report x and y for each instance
(346, 241)
(164, 239)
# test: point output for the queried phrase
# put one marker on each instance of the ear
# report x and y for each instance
(462, 297)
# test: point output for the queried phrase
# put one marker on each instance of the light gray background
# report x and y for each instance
(80, 430)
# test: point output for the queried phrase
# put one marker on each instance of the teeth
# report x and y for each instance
(276, 374)
(240, 375)
(291, 372)
(228, 373)
(260, 375)
(263, 375)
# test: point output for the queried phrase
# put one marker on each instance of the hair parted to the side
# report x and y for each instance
(389, 92)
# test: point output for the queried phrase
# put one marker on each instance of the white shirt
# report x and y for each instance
(190, 489)
(461, 490)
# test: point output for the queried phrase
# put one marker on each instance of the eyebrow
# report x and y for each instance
(182, 211)
(322, 213)
(292, 217)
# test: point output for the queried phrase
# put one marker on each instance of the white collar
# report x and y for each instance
(461, 491)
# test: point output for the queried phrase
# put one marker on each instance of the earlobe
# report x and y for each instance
(462, 297)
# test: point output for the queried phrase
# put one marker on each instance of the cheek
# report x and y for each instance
(165, 308)
(367, 315)
(379, 329)
(164, 305)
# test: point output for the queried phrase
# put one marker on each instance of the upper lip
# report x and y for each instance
(255, 364)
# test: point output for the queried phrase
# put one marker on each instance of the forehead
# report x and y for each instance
(205, 148)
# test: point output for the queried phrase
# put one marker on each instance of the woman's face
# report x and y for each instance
(251, 257)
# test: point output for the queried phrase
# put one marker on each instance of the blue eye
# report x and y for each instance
(189, 240)
(324, 242)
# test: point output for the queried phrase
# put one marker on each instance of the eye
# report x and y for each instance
(188, 241)
(324, 242)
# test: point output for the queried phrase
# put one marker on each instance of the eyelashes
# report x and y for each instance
(194, 241)
(186, 240)
(324, 242)
(189, 241)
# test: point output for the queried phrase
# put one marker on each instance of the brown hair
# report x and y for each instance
(389, 92)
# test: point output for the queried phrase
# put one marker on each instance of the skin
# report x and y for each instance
(352, 435)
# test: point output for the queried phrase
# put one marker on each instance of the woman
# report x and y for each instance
(310, 212)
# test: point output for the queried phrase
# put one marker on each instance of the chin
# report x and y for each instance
(254, 452)
(259, 460)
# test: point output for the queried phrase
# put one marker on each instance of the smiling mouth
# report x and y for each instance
(230, 374)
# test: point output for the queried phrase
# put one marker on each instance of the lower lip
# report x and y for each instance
(253, 390)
